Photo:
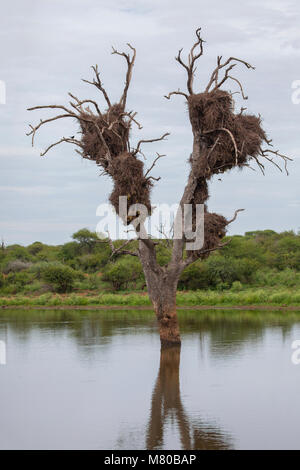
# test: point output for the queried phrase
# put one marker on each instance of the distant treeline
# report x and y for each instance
(257, 259)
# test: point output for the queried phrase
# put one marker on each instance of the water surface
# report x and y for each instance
(96, 380)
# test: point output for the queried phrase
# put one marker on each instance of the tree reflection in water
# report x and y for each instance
(167, 405)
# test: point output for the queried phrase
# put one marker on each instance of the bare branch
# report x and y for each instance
(195, 256)
(130, 63)
(153, 178)
(80, 117)
(260, 165)
(146, 141)
(192, 57)
(50, 106)
(98, 84)
(215, 73)
(154, 163)
(264, 153)
(80, 103)
(35, 128)
(240, 85)
(167, 237)
(131, 115)
(178, 92)
(120, 251)
(235, 216)
(69, 140)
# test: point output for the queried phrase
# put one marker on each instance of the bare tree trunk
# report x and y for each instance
(162, 285)
(164, 303)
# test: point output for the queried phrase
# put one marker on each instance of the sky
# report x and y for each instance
(47, 47)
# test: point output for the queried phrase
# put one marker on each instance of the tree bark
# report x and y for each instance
(162, 285)
(165, 309)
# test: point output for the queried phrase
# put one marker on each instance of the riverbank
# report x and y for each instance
(267, 298)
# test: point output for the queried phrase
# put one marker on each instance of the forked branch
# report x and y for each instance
(98, 84)
(265, 154)
(69, 140)
(120, 250)
(153, 164)
(215, 74)
(130, 63)
(147, 141)
(192, 58)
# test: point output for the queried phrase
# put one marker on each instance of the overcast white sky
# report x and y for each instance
(48, 46)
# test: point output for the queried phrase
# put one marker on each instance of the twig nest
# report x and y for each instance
(210, 110)
(228, 139)
(114, 129)
(129, 181)
(214, 230)
(249, 134)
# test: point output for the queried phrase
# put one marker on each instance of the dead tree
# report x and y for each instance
(222, 139)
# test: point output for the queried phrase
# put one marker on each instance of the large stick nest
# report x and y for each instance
(214, 230)
(126, 170)
(129, 181)
(115, 134)
(230, 139)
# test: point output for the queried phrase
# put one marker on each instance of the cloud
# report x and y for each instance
(50, 46)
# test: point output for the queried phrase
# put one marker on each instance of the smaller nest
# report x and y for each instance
(115, 138)
(210, 110)
(129, 181)
(214, 231)
(227, 139)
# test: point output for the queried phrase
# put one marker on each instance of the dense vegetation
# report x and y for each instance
(260, 259)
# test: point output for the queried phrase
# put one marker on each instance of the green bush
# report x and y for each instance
(89, 282)
(37, 287)
(90, 263)
(237, 286)
(287, 278)
(38, 268)
(69, 251)
(2, 280)
(15, 282)
(195, 276)
(86, 239)
(14, 252)
(59, 276)
(35, 248)
(123, 272)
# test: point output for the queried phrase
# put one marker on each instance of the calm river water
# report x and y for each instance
(97, 380)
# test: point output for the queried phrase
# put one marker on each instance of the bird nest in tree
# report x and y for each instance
(230, 139)
(107, 132)
(214, 230)
(129, 180)
(223, 140)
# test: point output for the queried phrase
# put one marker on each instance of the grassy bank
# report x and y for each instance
(266, 296)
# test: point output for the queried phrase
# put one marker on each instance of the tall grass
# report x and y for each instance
(266, 296)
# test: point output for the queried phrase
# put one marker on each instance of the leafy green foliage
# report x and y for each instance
(261, 258)
(60, 277)
(86, 239)
(123, 272)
